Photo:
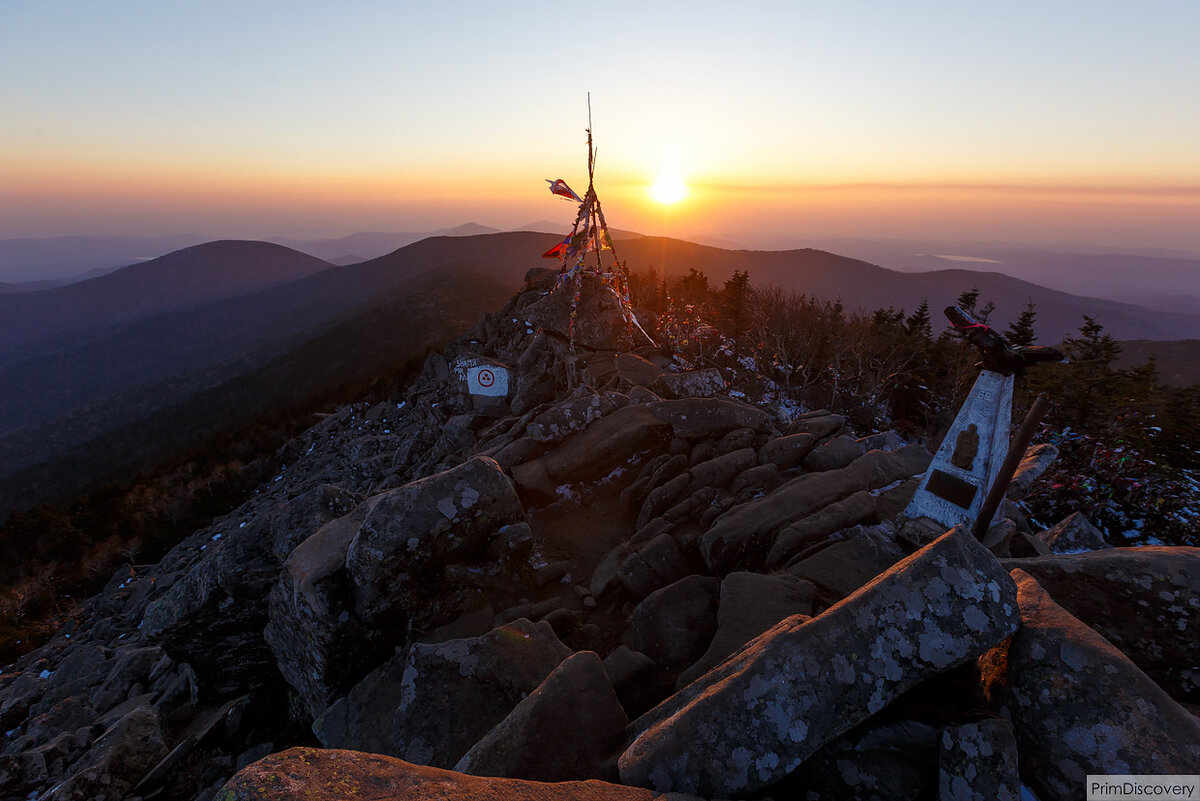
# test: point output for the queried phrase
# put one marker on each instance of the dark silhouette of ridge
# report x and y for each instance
(183, 279)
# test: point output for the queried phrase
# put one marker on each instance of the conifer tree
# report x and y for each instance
(1020, 332)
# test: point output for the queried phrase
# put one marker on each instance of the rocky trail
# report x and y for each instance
(620, 579)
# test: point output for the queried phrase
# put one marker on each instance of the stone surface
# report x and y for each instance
(598, 321)
(750, 603)
(606, 444)
(395, 561)
(705, 418)
(1079, 706)
(845, 565)
(834, 454)
(674, 625)
(757, 716)
(317, 639)
(657, 563)
(857, 508)
(454, 692)
(1073, 534)
(117, 760)
(787, 452)
(362, 720)
(1036, 460)
(821, 426)
(978, 762)
(690, 384)
(743, 533)
(891, 762)
(311, 774)
(1145, 601)
(571, 727)
(213, 617)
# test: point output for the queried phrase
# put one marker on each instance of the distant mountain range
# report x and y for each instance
(106, 375)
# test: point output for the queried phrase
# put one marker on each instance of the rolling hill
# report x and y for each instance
(112, 390)
(184, 279)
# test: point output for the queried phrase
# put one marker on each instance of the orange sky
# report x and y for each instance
(1065, 123)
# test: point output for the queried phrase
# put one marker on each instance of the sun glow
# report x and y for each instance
(668, 190)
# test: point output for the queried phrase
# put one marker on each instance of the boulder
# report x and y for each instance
(637, 370)
(761, 713)
(850, 511)
(657, 563)
(1079, 706)
(674, 625)
(213, 617)
(833, 454)
(319, 643)
(571, 727)
(319, 775)
(395, 561)
(1074, 534)
(606, 444)
(362, 720)
(978, 762)
(690, 384)
(743, 533)
(117, 760)
(722, 470)
(636, 680)
(821, 426)
(454, 692)
(750, 603)
(595, 310)
(843, 566)
(706, 418)
(1145, 601)
(891, 762)
(787, 452)
(1036, 460)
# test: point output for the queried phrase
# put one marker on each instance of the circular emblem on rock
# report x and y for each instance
(486, 378)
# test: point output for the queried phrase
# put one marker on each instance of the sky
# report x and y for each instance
(1036, 122)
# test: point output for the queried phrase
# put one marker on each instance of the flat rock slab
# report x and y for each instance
(705, 418)
(978, 762)
(312, 774)
(1079, 706)
(761, 713)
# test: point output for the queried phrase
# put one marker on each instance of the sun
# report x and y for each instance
(668, 190)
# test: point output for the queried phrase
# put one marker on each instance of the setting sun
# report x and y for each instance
(668, 190)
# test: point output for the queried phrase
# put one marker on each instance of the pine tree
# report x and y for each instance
(1089, 386)
(919, 324)
(1020, 332)
(733, 302)
(967, 300)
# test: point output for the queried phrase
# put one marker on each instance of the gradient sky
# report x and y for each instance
(1072, 122)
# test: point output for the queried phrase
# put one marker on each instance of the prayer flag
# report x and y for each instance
(560, 188)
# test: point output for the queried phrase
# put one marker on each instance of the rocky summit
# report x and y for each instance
(574, 570)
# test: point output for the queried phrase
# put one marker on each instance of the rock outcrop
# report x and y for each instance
(759, 715)
(500, 583)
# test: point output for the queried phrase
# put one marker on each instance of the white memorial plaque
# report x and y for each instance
(488, 380)
(956, 483)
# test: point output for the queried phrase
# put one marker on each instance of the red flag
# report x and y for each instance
(557, 251)
(560, 188)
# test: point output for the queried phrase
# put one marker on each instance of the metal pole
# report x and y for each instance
(1016, 451)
